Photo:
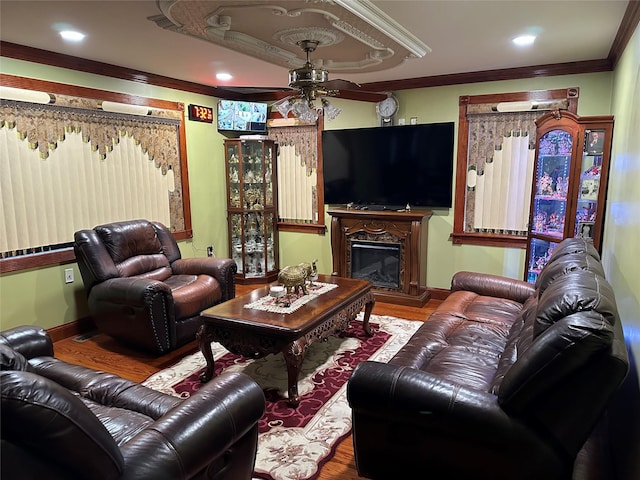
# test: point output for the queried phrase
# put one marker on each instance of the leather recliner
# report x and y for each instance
(65, 421)
(139, 288)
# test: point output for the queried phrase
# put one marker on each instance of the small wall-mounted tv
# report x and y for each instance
(242, 117)
(389, 167)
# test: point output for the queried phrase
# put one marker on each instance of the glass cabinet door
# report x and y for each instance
(589, 190)
(539, 253)
(233, 166)
(552, 184)
(550, 199)
(252, 217)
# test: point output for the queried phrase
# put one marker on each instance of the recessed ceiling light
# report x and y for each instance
(524, 40)
(224, 76)
(72, 35)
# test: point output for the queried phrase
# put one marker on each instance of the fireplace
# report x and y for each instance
(388, 248)
(377, 262)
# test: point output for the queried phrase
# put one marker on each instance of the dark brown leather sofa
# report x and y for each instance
(64, 421)
(139, 288)
(505, 380)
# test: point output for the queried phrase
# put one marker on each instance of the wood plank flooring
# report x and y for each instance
(103, 353)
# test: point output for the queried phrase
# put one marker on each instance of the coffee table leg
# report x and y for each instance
(204, 343)
(367, 313)
(293, 357)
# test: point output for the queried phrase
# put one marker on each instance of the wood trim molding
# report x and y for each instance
(36, 55)
(625, 31)
(45, 57)
(438, 293)
(71, 329)
(571, 68)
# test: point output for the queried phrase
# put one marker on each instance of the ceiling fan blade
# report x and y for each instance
(340, 84)
(352, 91)
(255, 93)
(253, 90)
(361, 95)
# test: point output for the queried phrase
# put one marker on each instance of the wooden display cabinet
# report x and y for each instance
(569, 184)
(251, 209)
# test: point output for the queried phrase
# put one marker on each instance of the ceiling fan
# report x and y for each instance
(312, 84)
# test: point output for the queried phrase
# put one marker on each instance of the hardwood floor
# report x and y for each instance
(103, 353)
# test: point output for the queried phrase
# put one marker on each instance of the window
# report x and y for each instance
(299, 171)
(496, 141)
(80, 158)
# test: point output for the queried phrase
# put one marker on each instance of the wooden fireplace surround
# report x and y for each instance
(407, 228)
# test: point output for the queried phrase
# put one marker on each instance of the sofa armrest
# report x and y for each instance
(30, 341)
(492, 286)
(52, 423)
(128, 291)
(137, 310)
(430, 424)
(415, 395)
(222, 269)
(199, 431)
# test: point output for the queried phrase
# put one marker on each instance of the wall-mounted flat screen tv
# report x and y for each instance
(242, 117)
(389, 167)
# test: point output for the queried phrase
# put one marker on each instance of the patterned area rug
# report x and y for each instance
(295, 443)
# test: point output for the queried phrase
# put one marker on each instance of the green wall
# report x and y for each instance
(41, 297)
(621, 247)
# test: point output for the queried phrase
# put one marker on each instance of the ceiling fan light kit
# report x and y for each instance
(311, 85)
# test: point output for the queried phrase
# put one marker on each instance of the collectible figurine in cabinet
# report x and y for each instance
(545, 184)
(571, 171)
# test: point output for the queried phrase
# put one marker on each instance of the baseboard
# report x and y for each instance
(439, 293)
(71, 329)
(85, 324)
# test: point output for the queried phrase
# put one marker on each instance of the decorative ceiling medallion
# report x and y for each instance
(324, 36)
(355, 35)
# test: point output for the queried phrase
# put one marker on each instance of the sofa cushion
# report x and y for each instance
(575, 291)
(193, 293)
(152, 266)
(574, 245)
(10, 359)
(574, 322)
(463, 339)
(567, 263)
(518, 341)
(124, 240)
(49, 421)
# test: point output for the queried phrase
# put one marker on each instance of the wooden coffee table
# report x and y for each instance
(255, 333)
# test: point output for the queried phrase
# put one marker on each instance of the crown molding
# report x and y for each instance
(375, 17)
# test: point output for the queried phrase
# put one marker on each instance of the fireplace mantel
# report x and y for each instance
(408, 229)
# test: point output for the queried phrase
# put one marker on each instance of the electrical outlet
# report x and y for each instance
(210, 251)
(68, 275)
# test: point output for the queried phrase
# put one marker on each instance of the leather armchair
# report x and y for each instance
(63, 421)
(139, 288)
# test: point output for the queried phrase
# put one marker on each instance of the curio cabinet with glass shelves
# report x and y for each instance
(569, 184)
(251, 208)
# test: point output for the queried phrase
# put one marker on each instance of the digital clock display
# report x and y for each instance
(199, 113)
